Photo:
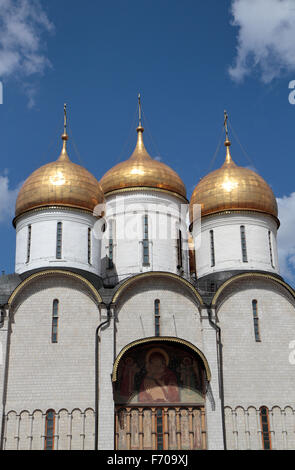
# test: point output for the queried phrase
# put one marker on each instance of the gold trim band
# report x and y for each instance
(245, 275)
(53, 272)
(157, 274)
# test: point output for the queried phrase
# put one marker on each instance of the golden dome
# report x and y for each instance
(232, 187)
(60, 183)
(142, 171)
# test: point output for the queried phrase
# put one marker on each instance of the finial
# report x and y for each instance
(65, 137)
(225, 127)
(139, 109)
(227, 142)
(140, 150)
(139, 128)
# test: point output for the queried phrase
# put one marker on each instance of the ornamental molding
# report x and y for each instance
(250, 275)
(54, 272)
(152, 274)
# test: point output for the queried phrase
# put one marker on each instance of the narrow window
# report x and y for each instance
(49, 430)
(111, 245)
(243, 244)
(145, 244)
(54, 333)
(157, 318)
(89, 246)
(2, 317)
(160, 429)
(212, 250)
(59, 241)
(270, 249)
(29, 243)
(265, 430)
(256, 321)
(179, 250)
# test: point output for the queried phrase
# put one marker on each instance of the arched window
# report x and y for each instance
(157, 317)
(270, 249)
(145, 243)
(179, 250)
(243, 244)
(160, 429)
(89, 246)
(54, 333)
(49, 430)
(29, 243)
(59, 241)
(212, 250)
(265, 430)
(2, 317)
(111, 245)
(256, 320)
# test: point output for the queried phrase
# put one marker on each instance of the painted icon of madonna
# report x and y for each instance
(158, 375)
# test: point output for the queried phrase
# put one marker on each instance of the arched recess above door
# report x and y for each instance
(161, 339)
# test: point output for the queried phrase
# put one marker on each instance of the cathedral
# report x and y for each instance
(137, 319)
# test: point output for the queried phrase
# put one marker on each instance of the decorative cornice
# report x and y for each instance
(237, 211)
(50, 273)
(152, 274)
(164, 339)
(146, 188)
(64, 207)
(249, 275)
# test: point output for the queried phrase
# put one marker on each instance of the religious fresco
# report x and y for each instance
(160, 374)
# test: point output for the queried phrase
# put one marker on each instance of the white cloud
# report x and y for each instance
(22, 24)
(7, 198)
(286, 238)
(266, 31)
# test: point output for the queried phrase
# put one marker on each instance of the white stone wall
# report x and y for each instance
(243, 428)
(61, 376)
(43, 375)
(3, 359)
(179, 313)
(43, 223)
(127, 211)
(257, 373)
(73, 430)
(181, 317)
(227, 243)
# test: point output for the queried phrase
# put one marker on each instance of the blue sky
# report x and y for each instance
(189, 59)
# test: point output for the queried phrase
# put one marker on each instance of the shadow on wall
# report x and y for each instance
(110, 277)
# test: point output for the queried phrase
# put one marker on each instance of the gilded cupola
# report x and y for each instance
(60, 183)
(233, 188)
(141, 171)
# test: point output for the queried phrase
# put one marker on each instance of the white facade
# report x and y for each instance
(36, 241)
(52, 376)
(219, 245)
(125, 219)
(258, 372)
(126, 286)
(42, 376)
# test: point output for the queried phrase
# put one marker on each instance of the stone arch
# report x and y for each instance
(245, 276)
(154, 274)
(160, 385)
(161, 339)
(51, 273)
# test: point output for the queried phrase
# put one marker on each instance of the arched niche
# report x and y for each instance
(159, 392)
